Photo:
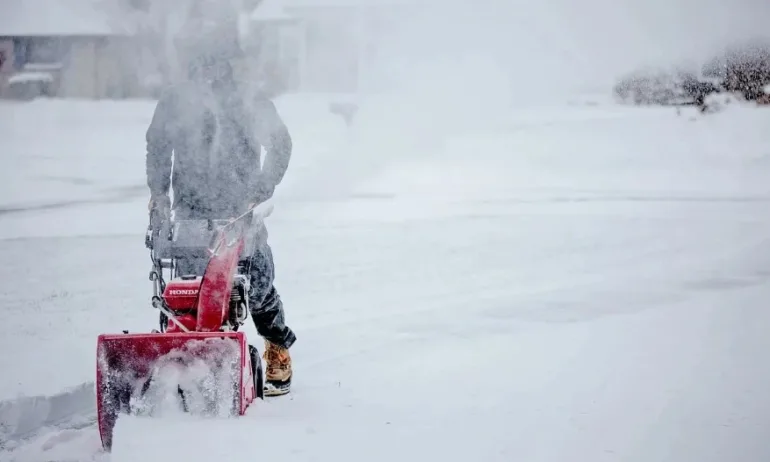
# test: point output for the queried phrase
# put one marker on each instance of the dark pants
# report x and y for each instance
(264, 301)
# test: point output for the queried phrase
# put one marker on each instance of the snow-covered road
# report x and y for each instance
(581, 283)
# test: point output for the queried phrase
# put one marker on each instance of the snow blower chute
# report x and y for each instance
(198, 362)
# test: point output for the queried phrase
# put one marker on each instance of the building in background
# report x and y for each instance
(63, 49)
(132, 48)
(323, 46)
(272, 49)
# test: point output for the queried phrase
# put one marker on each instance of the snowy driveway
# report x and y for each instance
(577, 283)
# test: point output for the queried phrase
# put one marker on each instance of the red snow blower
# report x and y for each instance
(197, 362)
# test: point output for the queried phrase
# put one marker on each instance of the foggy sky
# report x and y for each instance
(558, 45)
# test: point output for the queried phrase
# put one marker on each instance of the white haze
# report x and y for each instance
(537, 48)
(533, 48)
(448, 65)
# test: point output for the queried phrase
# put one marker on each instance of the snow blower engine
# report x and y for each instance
(197, 362)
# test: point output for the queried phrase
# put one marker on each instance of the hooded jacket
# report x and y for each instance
(215, 135)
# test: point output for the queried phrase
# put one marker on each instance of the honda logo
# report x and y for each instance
(183, 292)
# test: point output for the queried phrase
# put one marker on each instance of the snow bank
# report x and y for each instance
(26, 77)
(25, 417)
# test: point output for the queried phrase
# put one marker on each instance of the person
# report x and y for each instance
(204, 122)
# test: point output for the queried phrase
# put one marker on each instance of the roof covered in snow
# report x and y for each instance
(19, 18)
(270, 10)
(341, 3)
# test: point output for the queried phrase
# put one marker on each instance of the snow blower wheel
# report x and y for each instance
(257, 371)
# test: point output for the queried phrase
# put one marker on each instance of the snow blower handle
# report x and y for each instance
(259, 210)
(239, 224)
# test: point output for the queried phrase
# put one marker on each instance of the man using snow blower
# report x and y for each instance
(216, 138)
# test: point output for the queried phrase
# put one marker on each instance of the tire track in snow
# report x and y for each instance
(121, 194)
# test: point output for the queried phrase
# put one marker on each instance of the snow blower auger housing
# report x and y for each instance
(198, 361)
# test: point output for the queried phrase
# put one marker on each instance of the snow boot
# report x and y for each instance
(277, 370)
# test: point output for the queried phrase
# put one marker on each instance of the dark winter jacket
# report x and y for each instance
(215, 136)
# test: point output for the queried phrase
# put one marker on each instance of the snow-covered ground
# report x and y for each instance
(554, 283)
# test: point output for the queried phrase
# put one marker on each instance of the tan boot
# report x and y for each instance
(277, 370)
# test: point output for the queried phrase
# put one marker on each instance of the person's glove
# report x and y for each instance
(161, 204)
(264, 193)
(160, 210)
